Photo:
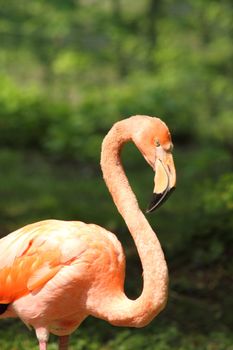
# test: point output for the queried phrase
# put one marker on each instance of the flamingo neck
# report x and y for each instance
(141, 311)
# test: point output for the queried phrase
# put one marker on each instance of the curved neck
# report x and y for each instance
(141, 311)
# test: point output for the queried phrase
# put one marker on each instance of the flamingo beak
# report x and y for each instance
(165, 178)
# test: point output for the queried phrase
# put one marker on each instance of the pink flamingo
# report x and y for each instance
(53, 274)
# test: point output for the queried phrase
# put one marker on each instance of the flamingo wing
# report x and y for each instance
(33, 255)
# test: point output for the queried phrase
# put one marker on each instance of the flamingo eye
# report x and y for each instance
(157, 143)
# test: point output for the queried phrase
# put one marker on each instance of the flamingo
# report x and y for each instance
(53, 274)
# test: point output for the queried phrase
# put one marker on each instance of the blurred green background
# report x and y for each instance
(68, 70)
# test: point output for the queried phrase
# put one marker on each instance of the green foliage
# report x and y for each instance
(165, 338)
(215, 213)
(68, 71)
(26, 116)
(218, 204)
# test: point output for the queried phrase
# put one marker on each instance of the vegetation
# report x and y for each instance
(70, 69)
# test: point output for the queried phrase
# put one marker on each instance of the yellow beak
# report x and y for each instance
(165, 178)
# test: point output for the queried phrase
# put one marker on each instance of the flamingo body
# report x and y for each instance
(51, 263)
(53, 274)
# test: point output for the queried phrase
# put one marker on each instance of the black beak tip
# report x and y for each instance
(155, 202)
(158, 199)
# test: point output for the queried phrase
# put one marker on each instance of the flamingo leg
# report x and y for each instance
(63, 342)
(42, 335)
(42, 345)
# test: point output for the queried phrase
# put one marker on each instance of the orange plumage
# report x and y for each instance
(54, 274)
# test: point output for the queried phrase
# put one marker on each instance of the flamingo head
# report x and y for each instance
(153, 139)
